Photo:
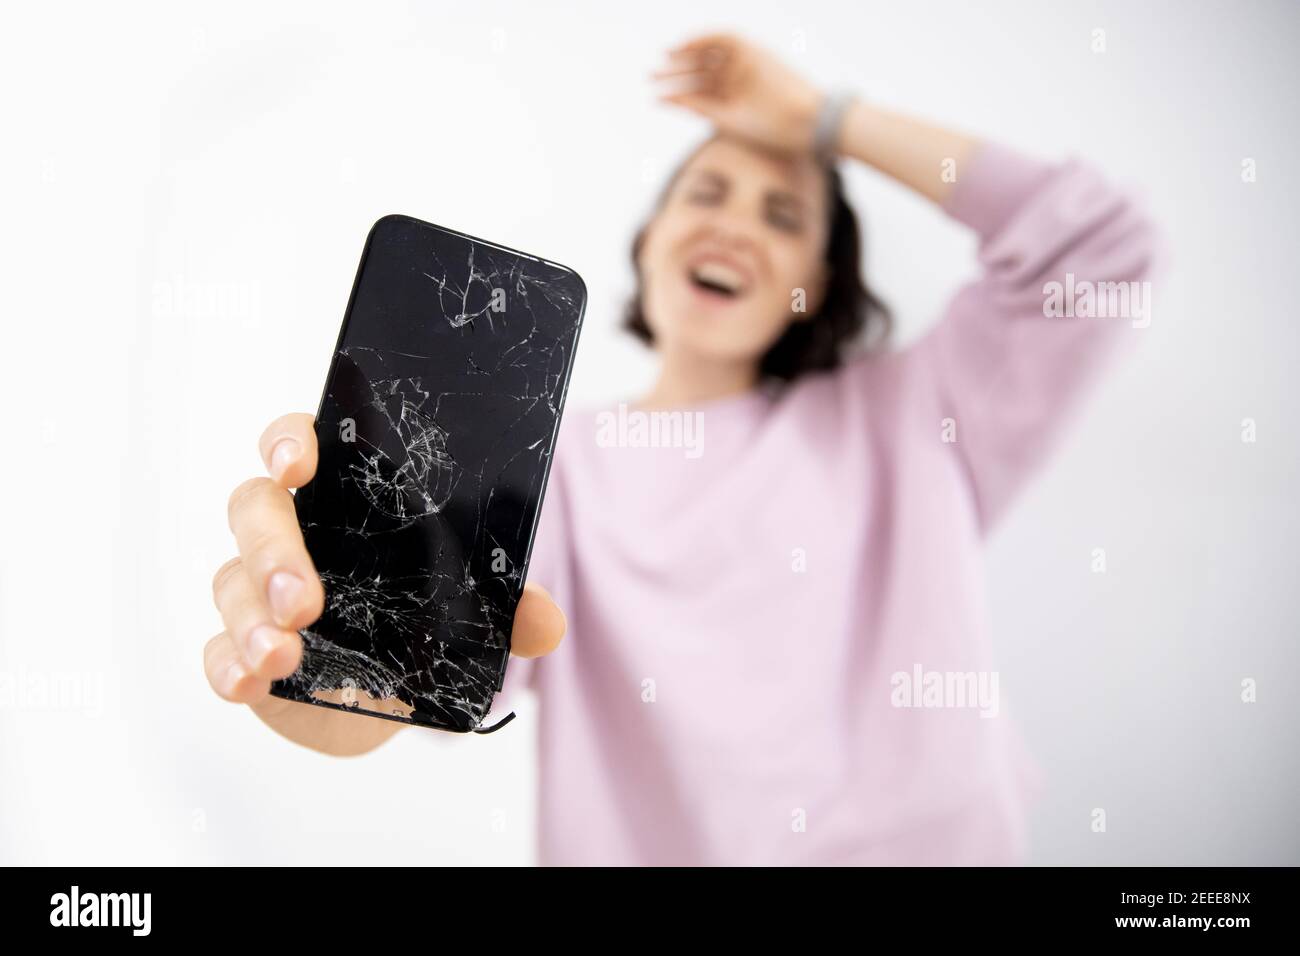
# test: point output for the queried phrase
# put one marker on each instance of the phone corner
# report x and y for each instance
(573, 275)
(388, 219)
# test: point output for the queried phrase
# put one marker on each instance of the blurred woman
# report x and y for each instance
(776, 647)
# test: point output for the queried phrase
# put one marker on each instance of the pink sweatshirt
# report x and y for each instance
(777, 650)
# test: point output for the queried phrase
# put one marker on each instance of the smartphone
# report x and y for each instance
(436, 428)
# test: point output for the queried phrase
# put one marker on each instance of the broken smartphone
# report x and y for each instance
(436, 429)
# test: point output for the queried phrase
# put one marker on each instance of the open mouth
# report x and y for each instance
(717, 279)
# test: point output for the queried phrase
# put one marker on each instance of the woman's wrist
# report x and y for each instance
(862, 132)
(803, 109)
(828, 125)
(923, 157)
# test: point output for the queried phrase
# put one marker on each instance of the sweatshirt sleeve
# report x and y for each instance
(1065, 259)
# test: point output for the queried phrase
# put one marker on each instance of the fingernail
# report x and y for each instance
(284, 454)
(284, 589)
(234, 674)
(262, 643)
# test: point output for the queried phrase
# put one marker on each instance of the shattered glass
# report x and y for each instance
(436, 431)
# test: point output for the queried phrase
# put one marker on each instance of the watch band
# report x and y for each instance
(827, 130)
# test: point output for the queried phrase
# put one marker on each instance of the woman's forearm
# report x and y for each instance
(747, 92)
(926, 158)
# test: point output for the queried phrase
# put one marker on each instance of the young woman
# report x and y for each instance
(776, 648)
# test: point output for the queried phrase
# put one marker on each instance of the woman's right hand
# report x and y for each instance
(743, 90)
(271, 590)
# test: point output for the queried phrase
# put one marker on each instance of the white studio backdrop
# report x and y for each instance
(185, 194)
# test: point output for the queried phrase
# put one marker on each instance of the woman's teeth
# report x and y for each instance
(718, 278)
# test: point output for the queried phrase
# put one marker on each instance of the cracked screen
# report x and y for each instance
(436, 430)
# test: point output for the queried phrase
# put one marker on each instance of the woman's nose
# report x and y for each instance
(734, 229)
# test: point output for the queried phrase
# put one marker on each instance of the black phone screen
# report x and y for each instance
(436, 429)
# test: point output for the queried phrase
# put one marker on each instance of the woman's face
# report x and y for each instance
(737, 244)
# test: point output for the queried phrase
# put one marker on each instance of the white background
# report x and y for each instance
(184, 198)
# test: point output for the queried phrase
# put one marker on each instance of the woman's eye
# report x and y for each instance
(709, 197)
(784, 221)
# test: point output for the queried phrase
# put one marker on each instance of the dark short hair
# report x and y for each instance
(849, 309)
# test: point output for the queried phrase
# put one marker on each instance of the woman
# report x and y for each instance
(777, 650)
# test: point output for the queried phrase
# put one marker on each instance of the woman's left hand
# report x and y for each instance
(744, 91)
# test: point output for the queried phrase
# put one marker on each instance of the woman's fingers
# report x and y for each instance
(743, 90)
(273, 554)
(693, 71)
(288, 448)
(228, 675)
(539, 624)
(267, 651)
(272, 588)
(702, 75)
(680, 64)
(714, 45)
